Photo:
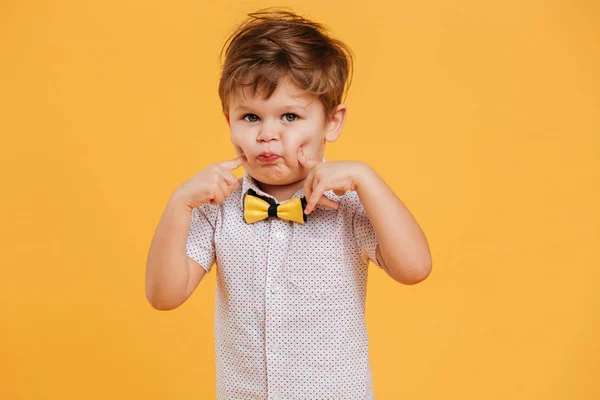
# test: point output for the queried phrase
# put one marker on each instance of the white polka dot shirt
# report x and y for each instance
(289, 317)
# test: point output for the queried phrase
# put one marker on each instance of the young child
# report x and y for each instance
(292, 239)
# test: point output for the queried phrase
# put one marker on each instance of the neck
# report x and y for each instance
(281, 192)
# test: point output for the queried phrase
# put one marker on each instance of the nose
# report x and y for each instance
(268, 132)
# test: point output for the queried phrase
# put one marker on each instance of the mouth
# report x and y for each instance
(267, 157)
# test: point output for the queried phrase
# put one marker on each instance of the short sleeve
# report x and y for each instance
(200, 245)
(365, 234)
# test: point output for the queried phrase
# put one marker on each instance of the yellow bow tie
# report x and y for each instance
(257, 208)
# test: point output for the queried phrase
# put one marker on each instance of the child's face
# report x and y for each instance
(280, 125)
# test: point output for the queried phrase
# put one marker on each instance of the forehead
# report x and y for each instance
(286, 93)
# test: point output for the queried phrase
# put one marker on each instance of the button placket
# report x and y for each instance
(275, 260)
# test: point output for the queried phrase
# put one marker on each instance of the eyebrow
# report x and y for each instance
(242, 107)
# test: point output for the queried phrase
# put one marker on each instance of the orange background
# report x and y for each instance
(483, 117)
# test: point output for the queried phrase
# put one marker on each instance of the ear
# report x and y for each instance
(227, 118)
(335, 123)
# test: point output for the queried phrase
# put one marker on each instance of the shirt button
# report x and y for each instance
(275, 347)
(279, 235)
(275, 397)
(275, 289)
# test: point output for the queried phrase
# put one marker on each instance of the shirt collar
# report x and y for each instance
(249, 182)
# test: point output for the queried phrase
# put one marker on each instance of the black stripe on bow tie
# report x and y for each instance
(273, 210)
(303, 201)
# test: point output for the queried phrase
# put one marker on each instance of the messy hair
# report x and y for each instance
(274, 43)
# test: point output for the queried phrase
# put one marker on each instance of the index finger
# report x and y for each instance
(305, 161)
(233, 164)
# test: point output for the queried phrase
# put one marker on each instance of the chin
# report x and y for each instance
(273, 176)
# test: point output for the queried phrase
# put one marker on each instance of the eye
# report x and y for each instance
(249, 115)
(254, 117)
(292, 114)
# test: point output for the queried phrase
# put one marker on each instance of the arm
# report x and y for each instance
(171, 276)
(403, 251)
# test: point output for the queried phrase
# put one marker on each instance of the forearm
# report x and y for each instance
(167, 267)
(402, 243)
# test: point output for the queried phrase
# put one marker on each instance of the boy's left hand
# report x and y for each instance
(338, 176)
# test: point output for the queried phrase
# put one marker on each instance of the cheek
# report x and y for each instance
(237, 140)
(311, 143)
(240, 149)
(312, 147)
(305, 141)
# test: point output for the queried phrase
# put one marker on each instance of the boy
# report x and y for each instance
(293, 238)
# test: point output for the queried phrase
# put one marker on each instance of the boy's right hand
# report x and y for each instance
(213, 184)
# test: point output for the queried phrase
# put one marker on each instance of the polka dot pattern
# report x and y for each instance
(290, 298)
